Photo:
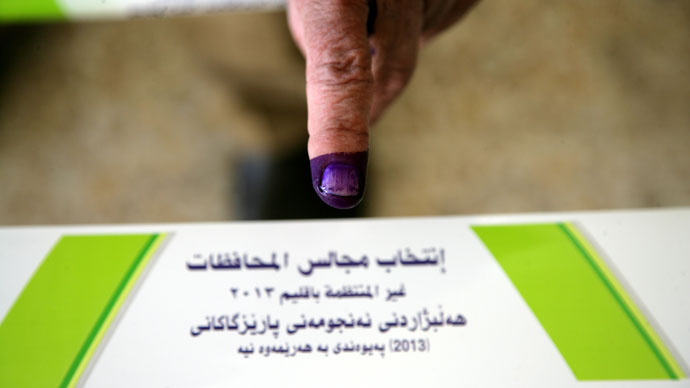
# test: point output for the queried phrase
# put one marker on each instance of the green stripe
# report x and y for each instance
(54, 325)
(70, 377)
(20, 10)
(128, 285)
(624, 306)
(654, 339)
(584, 310)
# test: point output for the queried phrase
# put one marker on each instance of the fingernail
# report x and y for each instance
(339, 178)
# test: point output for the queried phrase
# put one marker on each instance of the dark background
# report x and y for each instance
(523, 106)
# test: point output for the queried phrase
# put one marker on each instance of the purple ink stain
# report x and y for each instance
(339, 178)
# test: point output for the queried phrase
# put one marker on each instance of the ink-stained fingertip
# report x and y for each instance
(339, 178)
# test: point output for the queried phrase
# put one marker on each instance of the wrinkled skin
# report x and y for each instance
(352, 76)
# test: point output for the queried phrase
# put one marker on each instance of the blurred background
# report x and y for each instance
(521, 107)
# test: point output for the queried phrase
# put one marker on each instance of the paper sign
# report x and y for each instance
(543, 300)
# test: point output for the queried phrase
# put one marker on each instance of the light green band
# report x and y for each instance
(56, 323)
(591, 319)
(22, 10)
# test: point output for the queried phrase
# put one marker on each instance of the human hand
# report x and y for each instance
(360, 54)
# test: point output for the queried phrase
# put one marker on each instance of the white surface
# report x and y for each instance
(501, 344)
(87, 9)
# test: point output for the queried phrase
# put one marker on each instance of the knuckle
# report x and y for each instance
(401, 74)
(342, 68)
(395, 79)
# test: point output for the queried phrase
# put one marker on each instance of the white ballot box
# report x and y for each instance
(600, 299)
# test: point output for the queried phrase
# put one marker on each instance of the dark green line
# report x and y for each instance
(620, 301)
(104, 315)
